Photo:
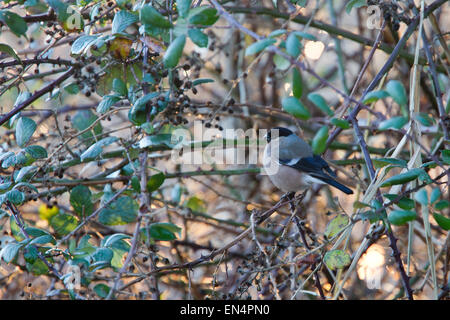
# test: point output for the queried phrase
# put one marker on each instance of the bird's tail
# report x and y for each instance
(337, 185)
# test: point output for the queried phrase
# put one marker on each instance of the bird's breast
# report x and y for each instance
(287, 179)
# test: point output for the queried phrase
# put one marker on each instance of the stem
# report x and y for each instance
(36, 96)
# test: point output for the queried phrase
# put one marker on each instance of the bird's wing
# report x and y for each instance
(315, 166)
(292, 147)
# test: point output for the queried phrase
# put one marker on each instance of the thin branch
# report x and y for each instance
(49, 88)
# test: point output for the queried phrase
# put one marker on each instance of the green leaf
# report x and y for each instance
(319, 141)
(5, 185)
(281, 62)
(6, 155)
(174, 51)
(15, 196)
(21, 97)
(149, 15)
(163, 231)
(447, 107)
(122, 211)
(120, 87)
(404, 203)
(259, 46)
(67, 15)
(81, 200)
(102, 290)
(103, 255)
(9, 160)
(382, 162)
(372, 216)
(373, 96)
(37, 152)
(37, 268)
(424, 119)
(336, 225)
(47, 238)
(84, 119)
(196, 204)
(400, 217)
(155, 182)
(136, 184)
(142, 101)
(176, 193)
(442, 221)
(354, 4)
(23, 158)
(421, 196)
(441, 205)
(445, 156)
(63, 223)
(397, 91)
(360, 205)
(294, 107)
(122, 20)
(183, 7)
(24, 130)
(277, 33)
(130, 74)
(10, 51)
(15, 229)
(119, 248)
(341, 123)
(197, 82)
(393, 123)
(72, 88)
(297, 83)
(293, 45)
(81, 44)
(10, 251)
(336, 259)
(23, 172)
(30, 254)
(320, 103)
(403, 177)
(424, 177)
(305, 35)
(97, 148)
(84, 248)
(35, 232)
(138, 112)
(203, 16)
(27, 185)
(111, 240)
(15, 23)
(107, 102)
(435, 195)
(162, 139)
(31, 3)
(198, 37)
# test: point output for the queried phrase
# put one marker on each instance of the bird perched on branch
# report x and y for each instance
(291, 165)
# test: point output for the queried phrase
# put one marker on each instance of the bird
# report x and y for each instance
(291, 164)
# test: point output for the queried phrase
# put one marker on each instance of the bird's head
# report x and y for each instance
(277, 132)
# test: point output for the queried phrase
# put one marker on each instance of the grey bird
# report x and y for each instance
(291, 165)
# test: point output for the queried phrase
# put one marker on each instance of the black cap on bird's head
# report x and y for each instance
(278, 132)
